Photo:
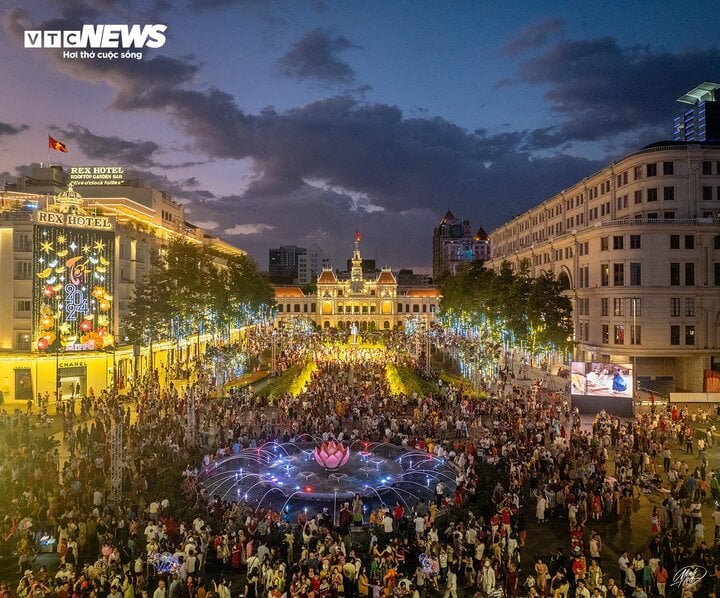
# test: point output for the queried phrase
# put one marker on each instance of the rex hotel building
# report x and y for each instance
(69, 262)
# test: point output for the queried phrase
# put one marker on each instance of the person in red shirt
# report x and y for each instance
(506, 515)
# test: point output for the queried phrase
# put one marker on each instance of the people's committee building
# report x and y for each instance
(365, 300)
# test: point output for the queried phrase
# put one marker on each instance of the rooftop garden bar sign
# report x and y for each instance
(97, 175)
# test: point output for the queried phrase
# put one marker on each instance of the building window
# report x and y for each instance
(707, 167)
(651, 169)
(22, 341)
(674, 241)
(674, 335)
(619, 307)
(689, 274)
(689, 241)
(674, 274)
(635, 274)
(605, 275)
(619, 334)
(399, 308)
(312, 308)
(23, 270)
(23, 305)
(690, 335)
(603, 306)
(669, 193)
(635, 334)
(606, 334)
(618, 275)
(707, 193)
(635, 242)
(637, 173)
(652, 194)
(604, 245)
(280, 308)
(297, 308)
(668, 168)
(618, 242)
(717, 274)
(638, 197)
(416, 308)
(669, 215)
(690, 307)
(22, 242)
(652, 216)
(674, 307)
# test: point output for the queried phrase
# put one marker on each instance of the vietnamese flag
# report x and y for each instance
(56, 145)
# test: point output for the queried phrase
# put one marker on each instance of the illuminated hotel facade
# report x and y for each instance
(637, 245)
(368, 301)
(69, 262)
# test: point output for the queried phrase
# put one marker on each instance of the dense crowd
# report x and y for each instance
(468, 539)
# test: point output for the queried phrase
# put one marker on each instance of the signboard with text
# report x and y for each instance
(97, 175)
(72, 282)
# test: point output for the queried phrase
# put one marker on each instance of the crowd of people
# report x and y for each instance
(522, 458)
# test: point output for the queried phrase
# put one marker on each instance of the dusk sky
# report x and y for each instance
(299, 122)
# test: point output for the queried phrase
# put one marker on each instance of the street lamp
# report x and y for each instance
(634, 341)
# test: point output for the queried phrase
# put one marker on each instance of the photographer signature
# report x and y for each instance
(689, 576)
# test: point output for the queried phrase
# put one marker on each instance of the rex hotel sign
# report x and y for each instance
(75, 220)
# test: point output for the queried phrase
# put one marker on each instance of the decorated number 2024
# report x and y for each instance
(75, 303)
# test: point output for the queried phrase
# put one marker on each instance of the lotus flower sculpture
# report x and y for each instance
(331, 454)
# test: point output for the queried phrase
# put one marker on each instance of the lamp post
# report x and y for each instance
(634, 340)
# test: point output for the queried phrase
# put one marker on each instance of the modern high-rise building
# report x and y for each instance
(700, 122)
(455, 244)
(637, 245)
(283, 264)
(310, 264)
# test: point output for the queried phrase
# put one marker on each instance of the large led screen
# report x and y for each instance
(602, 386)
(73, 284)
(599, 379)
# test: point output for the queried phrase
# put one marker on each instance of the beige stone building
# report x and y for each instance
(638, 247)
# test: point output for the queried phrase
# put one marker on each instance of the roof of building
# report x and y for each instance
(481, 235)
(386, 277)
(327, 277)
(423, 292)
(288, 292)
(448, 217)
(706, 91)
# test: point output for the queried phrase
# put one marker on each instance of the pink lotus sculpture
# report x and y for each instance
(331, 454)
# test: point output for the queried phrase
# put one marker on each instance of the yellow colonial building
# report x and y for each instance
(69, 263)
(368, 301)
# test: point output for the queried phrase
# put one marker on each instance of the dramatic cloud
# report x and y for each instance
(326, 168)
(8, 129)
(314, 56)
(534, 35)
(248, 229)
(115, 149)
(599, 89)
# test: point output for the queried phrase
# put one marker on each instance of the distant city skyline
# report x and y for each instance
(293, 123)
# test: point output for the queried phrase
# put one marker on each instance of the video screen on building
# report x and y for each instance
(601, 379)
(73, 299)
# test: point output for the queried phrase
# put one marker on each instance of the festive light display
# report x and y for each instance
(331, 454)
(72, 287)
